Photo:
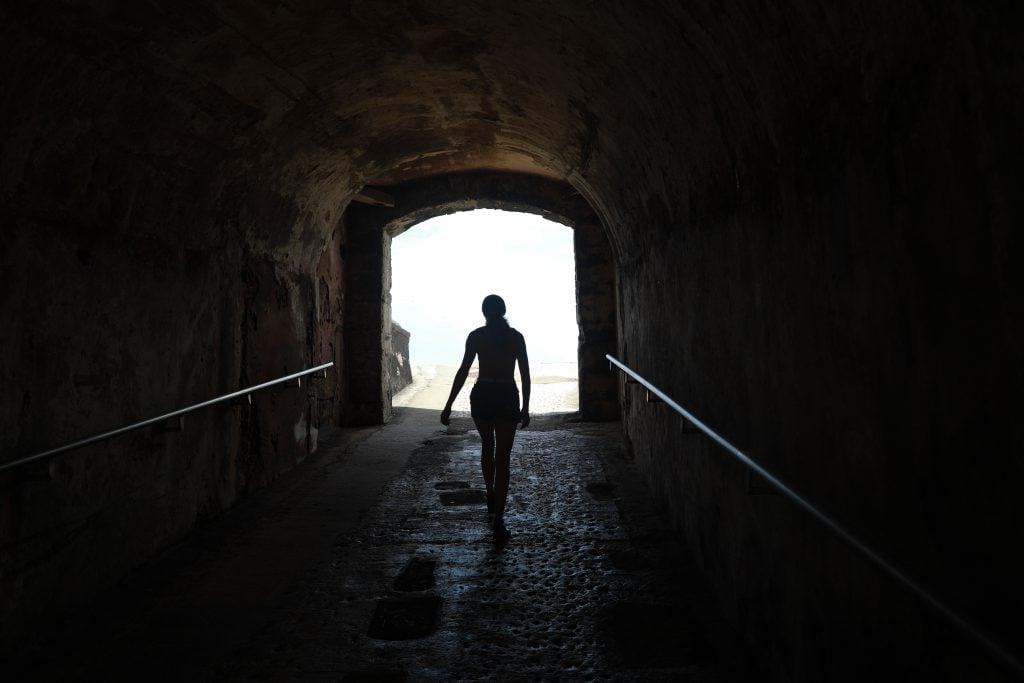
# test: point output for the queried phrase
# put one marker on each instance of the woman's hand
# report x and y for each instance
(446, 416)
(524, 418)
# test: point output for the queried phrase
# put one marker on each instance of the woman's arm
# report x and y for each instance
(460, 379)
(524, 374)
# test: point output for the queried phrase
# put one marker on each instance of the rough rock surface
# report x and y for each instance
(400, 365)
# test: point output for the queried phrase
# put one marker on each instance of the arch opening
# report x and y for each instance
(370, 229)
(440, 272)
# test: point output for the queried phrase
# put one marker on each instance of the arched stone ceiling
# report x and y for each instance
(662, 109)
(328, 96)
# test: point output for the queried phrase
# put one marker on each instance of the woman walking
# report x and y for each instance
(495, 401)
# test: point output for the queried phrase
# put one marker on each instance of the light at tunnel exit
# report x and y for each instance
(444, 267)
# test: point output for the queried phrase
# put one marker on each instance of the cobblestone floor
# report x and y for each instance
(589, 587)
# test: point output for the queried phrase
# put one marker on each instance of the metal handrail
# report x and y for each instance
(874, 557)
(44, 455)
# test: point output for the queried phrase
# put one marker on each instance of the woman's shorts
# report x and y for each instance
(494, 401)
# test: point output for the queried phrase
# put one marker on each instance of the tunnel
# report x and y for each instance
(794, 218)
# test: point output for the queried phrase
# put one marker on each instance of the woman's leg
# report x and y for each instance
(486, 429)
(505, 434)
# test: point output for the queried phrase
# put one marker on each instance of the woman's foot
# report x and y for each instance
(501, 534)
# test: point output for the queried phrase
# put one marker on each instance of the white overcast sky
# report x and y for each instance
(444, 267)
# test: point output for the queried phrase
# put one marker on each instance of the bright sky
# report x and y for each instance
(441, 270)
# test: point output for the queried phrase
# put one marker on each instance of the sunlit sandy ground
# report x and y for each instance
(555, 388)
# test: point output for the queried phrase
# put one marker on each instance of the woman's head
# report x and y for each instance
(494, 310)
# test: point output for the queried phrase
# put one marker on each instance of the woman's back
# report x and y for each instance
(497, 347)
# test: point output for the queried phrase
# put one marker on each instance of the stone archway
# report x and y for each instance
(370, 228)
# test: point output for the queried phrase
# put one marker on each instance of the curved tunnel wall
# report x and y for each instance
(151, 259)
(813, 211)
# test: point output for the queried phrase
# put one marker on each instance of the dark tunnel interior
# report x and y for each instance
(794, 217)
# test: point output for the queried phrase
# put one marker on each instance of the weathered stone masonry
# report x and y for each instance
(812, 209)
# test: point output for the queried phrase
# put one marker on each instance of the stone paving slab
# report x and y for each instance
(362, 567)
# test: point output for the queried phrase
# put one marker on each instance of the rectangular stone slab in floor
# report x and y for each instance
(463, 497)
(418, 575)
(405, 618)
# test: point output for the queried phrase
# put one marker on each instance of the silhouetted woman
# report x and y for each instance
(495, 400)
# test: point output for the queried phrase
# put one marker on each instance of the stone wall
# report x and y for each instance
(598, 322)
(829, 285)
(143, 269)
(399, 363)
